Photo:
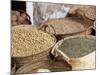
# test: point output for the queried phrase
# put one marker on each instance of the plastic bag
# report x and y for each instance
(45, 11)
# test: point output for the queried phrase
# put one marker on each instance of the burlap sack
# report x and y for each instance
(66, 27)
(39, 54)
(78, 61)
(88, 11)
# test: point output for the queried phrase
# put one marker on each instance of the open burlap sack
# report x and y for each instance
(66, 27)
(88, 10)
(30, 44)
(79, 51)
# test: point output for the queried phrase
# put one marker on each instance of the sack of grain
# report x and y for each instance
(79, 51)
(88, 11)
(65, 27)
(30, 43)
(49, 65)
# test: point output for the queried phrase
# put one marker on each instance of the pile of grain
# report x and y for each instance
(77, 47)
(28, 40)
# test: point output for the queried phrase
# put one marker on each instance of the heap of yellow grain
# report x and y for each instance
(28, 40)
